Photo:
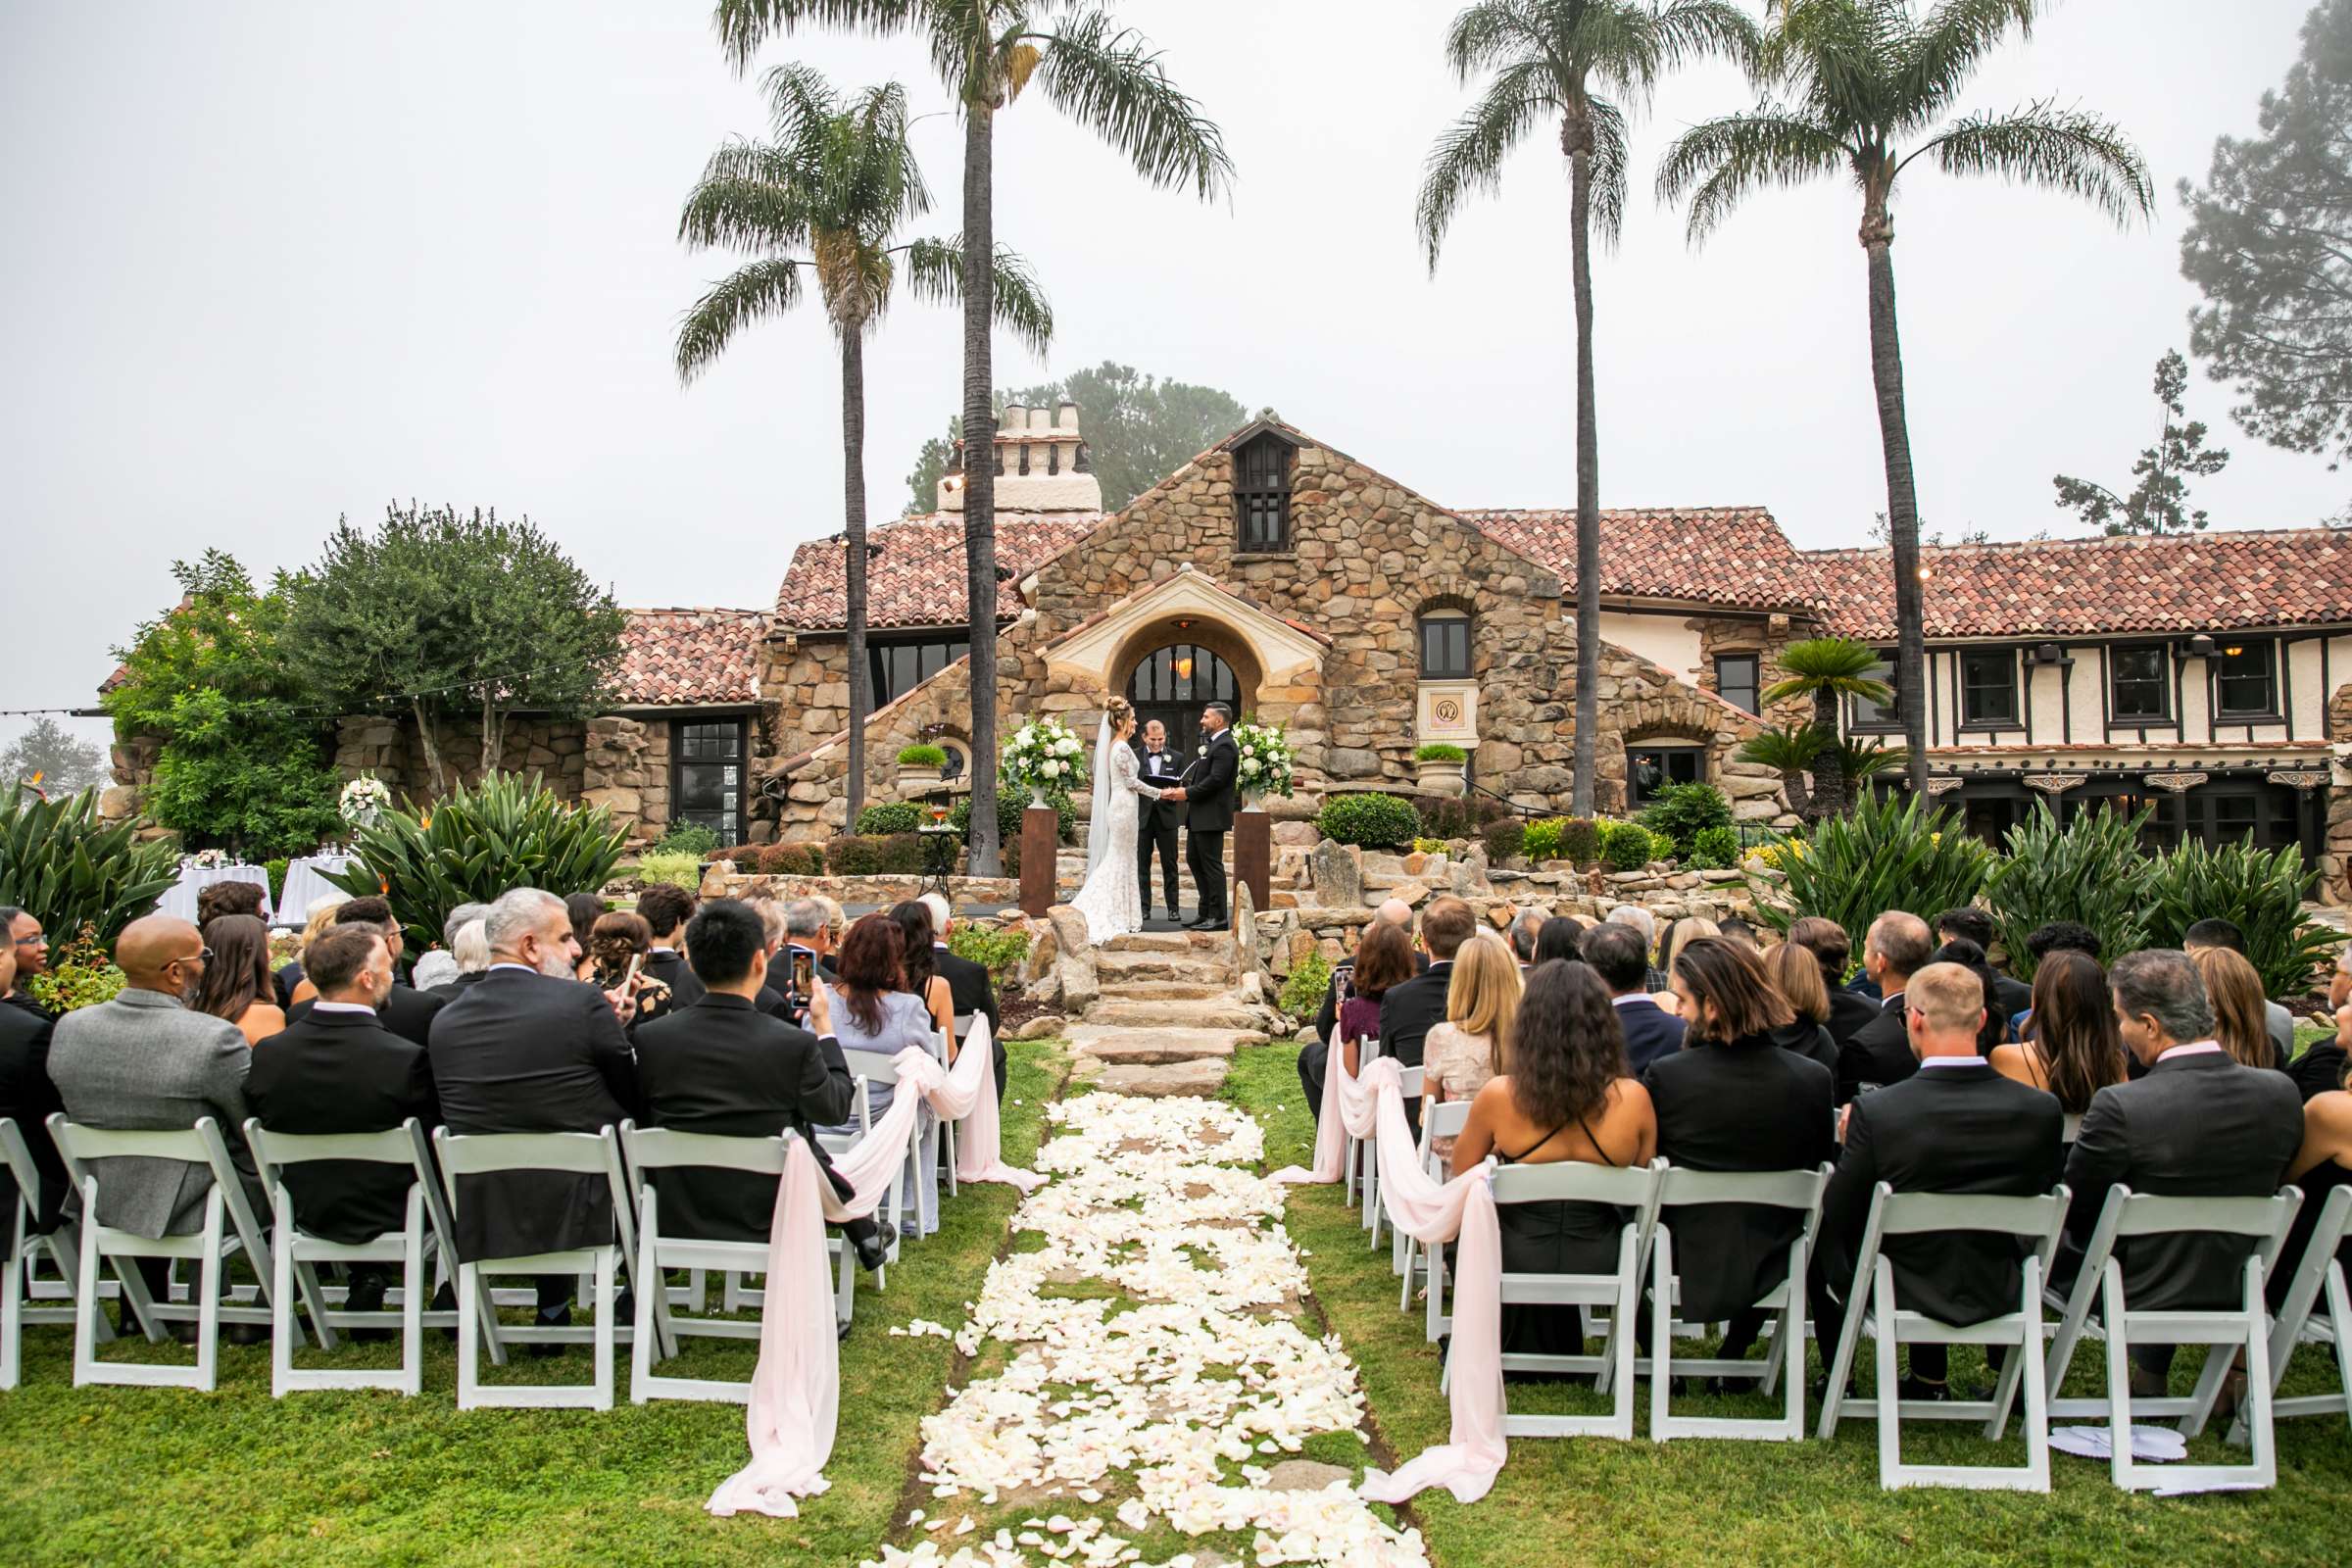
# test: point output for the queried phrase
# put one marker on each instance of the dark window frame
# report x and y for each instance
(930, 653)
(2267, 648)
(731, 827)
(1753, 685)
(1262, 469)
(1450, 620)
(1889, 719)
(2161, 681)
(1675, 752)
(1969, 688)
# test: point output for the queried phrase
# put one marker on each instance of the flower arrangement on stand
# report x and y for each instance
(205, 860)
(1045, 758)
(1265, 763)
(364, 802)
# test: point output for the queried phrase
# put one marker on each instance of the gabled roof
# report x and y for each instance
(680, 657)
(2173, 583)
(1735, 556)
(917, 577)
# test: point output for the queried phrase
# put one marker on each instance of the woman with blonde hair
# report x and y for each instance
(1795, 973)
(2241, 1022)
(1474, 1043)
(1686, 930)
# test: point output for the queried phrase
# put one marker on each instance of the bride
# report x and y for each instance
(1111, 899)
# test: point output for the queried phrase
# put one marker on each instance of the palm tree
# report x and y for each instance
(986, 52)
(1854, 80)
(1827, 670)
(1547, 57)
(835, 183)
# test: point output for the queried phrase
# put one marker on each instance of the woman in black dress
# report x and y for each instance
(1566, 1098)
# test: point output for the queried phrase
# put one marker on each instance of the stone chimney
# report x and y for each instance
(1043, 463)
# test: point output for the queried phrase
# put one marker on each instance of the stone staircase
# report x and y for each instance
(1069, 871)
(1168, 1015)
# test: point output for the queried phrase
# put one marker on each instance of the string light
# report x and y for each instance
(337, 709)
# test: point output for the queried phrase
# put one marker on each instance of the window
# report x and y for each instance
(1173, 684)
(1650, 768)
(1988, 688)
(1868, 714)
(897, 667)
(2246, 683)
(2139, 684)
(705, 776)
(1261, 494)
(1446, 645)
(1735, 681)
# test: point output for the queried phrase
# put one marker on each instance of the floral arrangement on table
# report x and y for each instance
(364, 801)
(1045, 758)
(1265, 763)
(205, 861)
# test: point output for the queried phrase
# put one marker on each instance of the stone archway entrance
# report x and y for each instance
(1171, 684)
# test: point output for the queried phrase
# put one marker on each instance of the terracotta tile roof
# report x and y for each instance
(917, 580)
(681, 657)
(2058, 587)
(1730, 556)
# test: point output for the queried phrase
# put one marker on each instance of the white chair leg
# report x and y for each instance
(281, 1312)
(1889, 1391)
(411, 1307)
(2119, 1377)
(643, 1348)
(605, 1328)
(86, 1310)
(208, 1311)
(1661, 1330)
(471, 1307)
(12, 1313)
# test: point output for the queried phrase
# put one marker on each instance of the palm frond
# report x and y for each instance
(1494, 34)
(2057, 149)
(935, 272)
(1722, 160)
(747, 200)
(800, 103)
(1936, 57)
(749, 294)
(1468, 156)
(1612, 155)
(1695, 30)
(1869, 759)
(1112, 81)
(743, 25)
(1782, 748)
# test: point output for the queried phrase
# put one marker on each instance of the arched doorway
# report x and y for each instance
(1172, 683)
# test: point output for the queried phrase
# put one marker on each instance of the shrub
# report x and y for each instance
(1429, 846)
(59, 862)
(922, 754)
(1580, 841)
(1439, 751)
(2259, 891)
(1889, 853)
(1368, 822)
(1303, 990)
(875, 855)
(688, 837)
(1445, 817)
(80, 975)
(790, 859)
(1541, 840)
(1681, 810)
(1625, 846)
(2091, 871)
(996, 947)
(677, 869)
(892, 816)
(275, 870)
(1715, 849)
(1505, 837)
(474, 845)
(1010, 808)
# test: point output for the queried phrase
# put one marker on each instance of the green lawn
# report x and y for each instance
(150, 1476)
(1590, 1500)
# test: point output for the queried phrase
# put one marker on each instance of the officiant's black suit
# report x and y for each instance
(1156, 822)
(1208, 815)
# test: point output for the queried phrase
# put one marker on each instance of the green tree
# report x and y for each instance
(824, 198)
(1827, 670)
(2270, 242)
(241, 766)
(51, 760)
(1108, 80)
(1556, 57)
(1846, 83)
(438, 616)
(2159, 503)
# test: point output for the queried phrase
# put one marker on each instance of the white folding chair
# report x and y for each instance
(923, 1144)
(577, 1154)
(224, 1209)
(2227, 1330)
(1409, 1082)
(1443, 1119)
(1796, 1190)
(1367, 1050)
(2321, 1270)
(947, 1129)
(1871, 1308)
(62, 1245)
(1634, 1189)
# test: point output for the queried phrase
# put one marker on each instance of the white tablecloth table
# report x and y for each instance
(181, 900)
(305, 882)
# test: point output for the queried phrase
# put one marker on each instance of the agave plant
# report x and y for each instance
(2260, 890)
(58, 860)
(1886, 853)
(2091, 871)
(506, 832)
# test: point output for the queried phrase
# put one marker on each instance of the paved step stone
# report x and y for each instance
(1159, 1082)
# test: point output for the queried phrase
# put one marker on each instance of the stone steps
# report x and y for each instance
(1204, 1078)
(1156, 1046)
(1220, 1012)
(1186, 965)
(1111, 989)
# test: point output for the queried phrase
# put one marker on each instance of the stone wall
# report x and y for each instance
(1764, 636)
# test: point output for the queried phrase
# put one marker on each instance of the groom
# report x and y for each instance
(1207, 791)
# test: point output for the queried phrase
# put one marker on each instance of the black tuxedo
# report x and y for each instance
(406, 1011)
(342, 1073)
(725, 1067)
(2318, 1069)
(1849, 1012)
(29, 1099)
(288, 976)
(669, 967)
(970, 990)
(524, 1052)
(1207, 815)
(1878, 1053)
(1809, 1039)
(1745, 1106)
(1650, 1032)
(1410, 1009)
(2016, 997)
(1156, 822)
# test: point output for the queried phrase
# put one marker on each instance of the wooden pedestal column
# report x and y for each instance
(1253, 856)
(1041, 834)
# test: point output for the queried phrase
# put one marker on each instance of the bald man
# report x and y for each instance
(1880, 1052)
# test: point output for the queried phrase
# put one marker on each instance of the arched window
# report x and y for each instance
(1445, 644)
(1173, 685)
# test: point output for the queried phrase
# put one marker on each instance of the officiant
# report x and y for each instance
(1157, 821)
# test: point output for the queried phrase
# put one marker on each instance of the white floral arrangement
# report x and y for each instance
(363, 800)
(205, 861)
(1045, 757)
(1265, 762)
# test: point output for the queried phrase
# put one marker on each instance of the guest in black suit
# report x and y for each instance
(1797, 976)
(1617, 955)
(338, 1069)
(1968, 923)
(1157, 821)
(1207, 796)
(1955, 1126)
(808, 928)
(26, 1096)
(1880, 1052)
(1408, 1012)
(1732, 1100)
(1968, 955)
(406, 1011)
(666, 909)
(1832, 949)
(725, 1067)
(2320, 1068)
(969, 988)
(2199, 1124)
(530, 1050)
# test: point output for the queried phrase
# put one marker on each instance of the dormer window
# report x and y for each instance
(1261, 494)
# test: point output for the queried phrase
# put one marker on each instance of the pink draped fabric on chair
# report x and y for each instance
(795, 1389)
(1431, 1212)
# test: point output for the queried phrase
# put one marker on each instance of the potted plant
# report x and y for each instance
(1045, 758)
(920, 767)
(1437, 769)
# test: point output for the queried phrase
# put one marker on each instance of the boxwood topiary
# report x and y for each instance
(1715, 849)
(1625, 846)
(891, 817)
(1369, 821)
(1505, 837)
(1580, 841)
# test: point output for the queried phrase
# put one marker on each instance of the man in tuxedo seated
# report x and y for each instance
(1880, 1052)
(1617, 955)
(406, 1011)
(1156, 822)
(1955, 1126)
(970, 989)
(2276, 1020)
(1971, 924)
(1732, 1100)
(1647, 924)
(723, 1066)
(666, 909)
(2197, 1125)
(338, 1069)
(1409, 1012)
(530, 1050)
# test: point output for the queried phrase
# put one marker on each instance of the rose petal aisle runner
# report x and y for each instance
(1153, 1368)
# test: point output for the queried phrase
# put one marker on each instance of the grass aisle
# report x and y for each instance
(1589, 1501)
(152, 1475)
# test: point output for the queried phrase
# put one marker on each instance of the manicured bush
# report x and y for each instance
(1429, 846)
(1625, 846)
(59, 862)
(1715, 849)
(1580, 841)
(1368, 822)
(275, 870)
(996, 947)
(1008, 820)
(1303, 990)
(1439, 751)
(2259, 891)
(892, 816)
(1454, 817)
(1681, 810)
(688, 837)
(1541, 840)
(80, 975)
(1889, 853)
(790, 859)
(1505, 837)
(875, 855)
(922, 754)
(677, 869)
(2091, 871)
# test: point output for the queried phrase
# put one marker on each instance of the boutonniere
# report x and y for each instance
(1205, 748)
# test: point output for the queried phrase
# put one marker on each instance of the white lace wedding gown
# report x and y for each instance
(1112, 901)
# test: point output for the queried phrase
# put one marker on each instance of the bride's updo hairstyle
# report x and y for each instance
(1121, 712)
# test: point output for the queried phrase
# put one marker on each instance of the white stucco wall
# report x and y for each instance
(1667, 641)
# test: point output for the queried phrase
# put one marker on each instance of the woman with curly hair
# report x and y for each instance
(616, 937)
(1566, 1098)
